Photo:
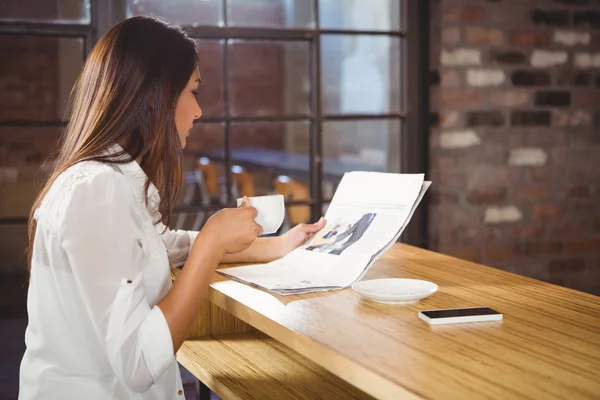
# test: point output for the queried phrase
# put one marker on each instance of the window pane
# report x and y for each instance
(180, 12)
(359, 145)
(38, 74)
(205, 137)
(266, 158)
(271, 13)
(43, 10)
(361, 74)
(275, 156)
(203, 179)
(269, 78)
(21, 146)
(372, 15)
(211, 94)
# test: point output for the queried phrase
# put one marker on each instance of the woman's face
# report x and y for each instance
(187, 109)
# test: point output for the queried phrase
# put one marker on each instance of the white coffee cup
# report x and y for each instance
(271, 210)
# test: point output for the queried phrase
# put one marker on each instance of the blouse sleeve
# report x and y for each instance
(177, 242)
(101, 237)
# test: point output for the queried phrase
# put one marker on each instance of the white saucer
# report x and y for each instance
(395, 290)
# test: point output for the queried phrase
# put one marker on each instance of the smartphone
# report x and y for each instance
(458, 315)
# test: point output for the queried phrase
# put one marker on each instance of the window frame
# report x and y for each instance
(414, 116)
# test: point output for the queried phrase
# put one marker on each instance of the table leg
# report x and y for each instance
(202, 391)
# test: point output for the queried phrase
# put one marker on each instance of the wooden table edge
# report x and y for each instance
(358, 376)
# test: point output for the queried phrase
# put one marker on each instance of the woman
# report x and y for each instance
(104, 320)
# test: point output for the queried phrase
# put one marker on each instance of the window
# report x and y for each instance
(298, 90)
(42, 46)
(294, 91)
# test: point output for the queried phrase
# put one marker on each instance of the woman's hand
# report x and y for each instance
(233, 229)
(297, 236)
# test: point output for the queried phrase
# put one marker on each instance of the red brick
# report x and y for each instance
(531, 192)
(542, 248)
(460, 99)
(549, 210)
(450, 79)
(499, 253)
(582, 172)
(482, 36)
(466, 15)
(34, 157)
(583, 207)
(585, 281)
(485, 196)
(20, 146)
(493, 234)
(449, 119)
(451, 217)
(451, 177)
(595, 42)
(451, 35)
(579, 191)
(541, 174)
(205, 136)
(262, 13)
(37, 143)
(529, 231)
(211, 95)
(442, 161)
(530, 38)
(587, 98)
(585, 245)
(580, 118)
(498, 175)
(256, 75)
(30, 86)
(567, 229)
(510, 98)
(31, 9)
(434, 240)
(464, 253)
(438, 197)
(560, 118)
(434, 99)
(573, 264)
(559, 280)
(596, 226)
(262, 135)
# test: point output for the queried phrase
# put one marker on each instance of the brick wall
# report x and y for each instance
(516, 136)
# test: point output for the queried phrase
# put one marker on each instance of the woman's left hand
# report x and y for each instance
(297, 236)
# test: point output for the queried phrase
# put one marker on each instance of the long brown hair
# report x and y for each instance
(127, 94)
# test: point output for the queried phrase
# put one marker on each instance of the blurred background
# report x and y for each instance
(497, 101)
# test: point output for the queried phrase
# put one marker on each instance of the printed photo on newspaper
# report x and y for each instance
(368, 213)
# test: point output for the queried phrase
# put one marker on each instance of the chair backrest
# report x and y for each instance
(209, 173)
(242, 181)
(294, 190)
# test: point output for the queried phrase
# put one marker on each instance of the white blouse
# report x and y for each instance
(99, 268)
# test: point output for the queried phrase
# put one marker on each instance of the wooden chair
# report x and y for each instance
(199, 185)
(294, 190)
(243, 182)
(209, 174)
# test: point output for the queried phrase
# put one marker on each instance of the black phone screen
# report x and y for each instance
(459, 312)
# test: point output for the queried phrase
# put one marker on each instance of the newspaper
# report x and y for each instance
(367, 215)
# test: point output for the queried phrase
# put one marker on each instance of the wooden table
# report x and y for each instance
(547, 346)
